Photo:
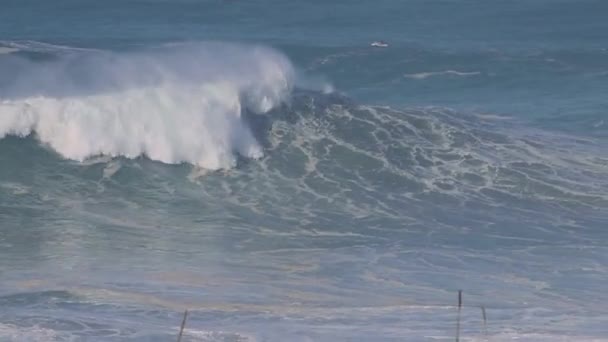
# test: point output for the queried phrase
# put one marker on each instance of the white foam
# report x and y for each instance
(425, 75)
(206, 335)
(9, 332)
(15, 188)
(111, 169)
(173, 106)
(519, 336)
(35, 46)
(7, 50)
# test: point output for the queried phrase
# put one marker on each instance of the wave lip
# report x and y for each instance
(179, 104)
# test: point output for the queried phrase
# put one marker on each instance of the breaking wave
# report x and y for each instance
(174, 104)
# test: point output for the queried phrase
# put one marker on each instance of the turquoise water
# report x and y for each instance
(262, 165)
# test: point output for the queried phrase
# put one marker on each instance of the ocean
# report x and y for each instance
(264, 166)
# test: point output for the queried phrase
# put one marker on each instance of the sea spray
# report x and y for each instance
(174, 104)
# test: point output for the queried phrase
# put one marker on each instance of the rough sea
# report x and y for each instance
(262, 165)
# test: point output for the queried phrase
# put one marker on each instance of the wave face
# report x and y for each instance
(178, 103)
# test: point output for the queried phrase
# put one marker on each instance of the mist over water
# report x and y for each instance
(299, 184)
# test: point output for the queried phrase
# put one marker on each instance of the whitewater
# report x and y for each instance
(260, 165)
(178, 104)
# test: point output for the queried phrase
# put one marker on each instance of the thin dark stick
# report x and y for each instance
(459, 298)
(181, 330)
(485, 321)
(458, 321)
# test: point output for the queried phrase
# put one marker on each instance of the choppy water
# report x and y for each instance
(260, 164)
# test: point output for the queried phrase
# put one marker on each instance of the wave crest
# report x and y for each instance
(182, 103)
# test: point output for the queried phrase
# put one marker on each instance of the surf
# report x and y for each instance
(173, 104)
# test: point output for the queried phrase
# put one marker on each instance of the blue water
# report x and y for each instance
(260, 164)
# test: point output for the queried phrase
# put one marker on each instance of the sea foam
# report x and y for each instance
(179, 103)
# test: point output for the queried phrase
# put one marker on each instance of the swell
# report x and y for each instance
(178, 103)
(186, 103)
